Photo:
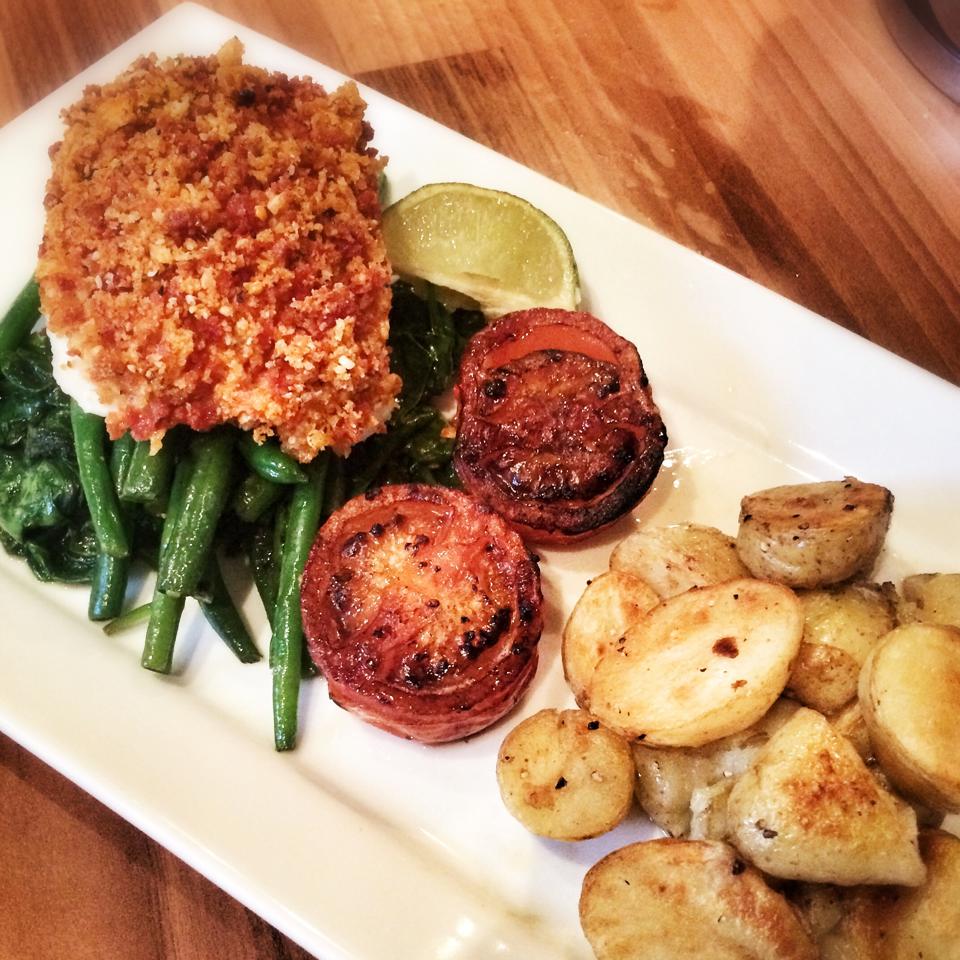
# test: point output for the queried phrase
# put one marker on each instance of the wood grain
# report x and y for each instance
(787, 139)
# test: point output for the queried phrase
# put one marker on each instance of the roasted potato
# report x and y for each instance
(936, 597)
(564, 776)
(840, 628)
(870, 923)
(686, 900)
(813, 534)
(675, 558)
(808, 809)
(684, 789)
(910, 697)
(699, 666)
(611, 603)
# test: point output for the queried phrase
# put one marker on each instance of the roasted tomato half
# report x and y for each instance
(422, 609)
(558, 430)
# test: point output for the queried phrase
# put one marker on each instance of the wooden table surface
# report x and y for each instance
(787, 139)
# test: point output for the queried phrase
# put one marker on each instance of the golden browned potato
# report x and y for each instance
(675, 558)
(910, 697)
(684, 789)
(686, 900)
(808, 809)
(893, 923)
(813, 534)
(699, 666)
(564, 776)
(611, 603)
(840, 627)
(936, 597)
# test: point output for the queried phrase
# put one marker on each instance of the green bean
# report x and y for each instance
(121, 456)
(265, 549)
(224, 617)
(20, 318)
(165, 611)
(110, 574)
(132, 618)
(286, 641)
(148, 479)
(178, 491)
(108, 587)
(89, 437)
(184, 560)
(270, 461)
(255, 496)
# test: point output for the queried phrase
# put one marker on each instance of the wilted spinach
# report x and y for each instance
(43, 515)
(426, 342)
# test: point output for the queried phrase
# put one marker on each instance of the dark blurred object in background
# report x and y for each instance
(928, 32)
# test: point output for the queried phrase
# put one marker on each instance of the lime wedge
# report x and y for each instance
(493, 247)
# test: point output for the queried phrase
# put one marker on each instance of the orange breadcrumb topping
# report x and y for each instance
(213, 254)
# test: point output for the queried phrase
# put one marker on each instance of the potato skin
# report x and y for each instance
(841, 625)
(564, 776)
(910, 697)
(679, 899)
(813, 534)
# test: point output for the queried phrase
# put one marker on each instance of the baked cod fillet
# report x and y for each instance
(212, 254)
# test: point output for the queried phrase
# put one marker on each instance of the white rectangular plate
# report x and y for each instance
(361, 846)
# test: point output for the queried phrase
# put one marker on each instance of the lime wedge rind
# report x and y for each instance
(491, 246)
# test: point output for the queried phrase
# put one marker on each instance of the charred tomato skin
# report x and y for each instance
(558, 430)
(423, 610)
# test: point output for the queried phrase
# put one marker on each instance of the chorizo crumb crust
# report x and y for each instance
(213, 252)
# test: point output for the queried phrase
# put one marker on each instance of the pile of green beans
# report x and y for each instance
(192, 483)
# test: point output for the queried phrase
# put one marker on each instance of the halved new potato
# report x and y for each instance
(611, 603)
(813, 534)
(910, 697)
(936, 597)
(564, 776)
(684, 789)
(685, 900)
(699, 666)
(809, 809)
(675, 558)
(840, 627)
